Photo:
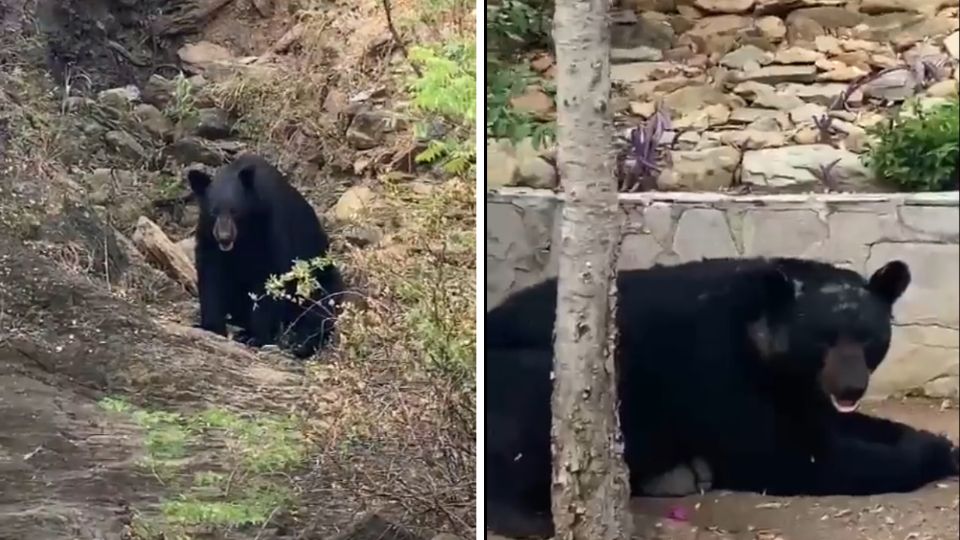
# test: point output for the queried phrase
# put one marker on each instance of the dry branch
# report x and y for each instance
(157, 247)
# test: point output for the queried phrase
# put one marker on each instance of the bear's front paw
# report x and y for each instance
(937, 454)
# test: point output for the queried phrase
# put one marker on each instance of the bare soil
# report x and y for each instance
(928, 514)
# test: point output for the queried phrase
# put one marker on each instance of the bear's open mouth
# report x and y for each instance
(225, 246)
(844, 405)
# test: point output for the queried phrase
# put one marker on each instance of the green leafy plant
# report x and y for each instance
(917, 150)
(503, 121)
(445, 93)
(519, 24)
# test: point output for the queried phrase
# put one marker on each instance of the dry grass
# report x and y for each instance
(402, 379)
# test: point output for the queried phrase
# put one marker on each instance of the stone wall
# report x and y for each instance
(858, 231)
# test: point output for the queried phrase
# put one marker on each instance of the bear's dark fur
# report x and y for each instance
(254, 224)
(755, 365)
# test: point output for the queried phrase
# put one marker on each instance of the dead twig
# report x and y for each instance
(396, 36)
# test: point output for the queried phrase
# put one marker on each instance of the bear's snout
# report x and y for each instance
(225, 232)
(845, 375)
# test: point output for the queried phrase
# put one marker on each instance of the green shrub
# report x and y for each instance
(514, 25)
(918, 149)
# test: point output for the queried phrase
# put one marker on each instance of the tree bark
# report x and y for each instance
(589, 477)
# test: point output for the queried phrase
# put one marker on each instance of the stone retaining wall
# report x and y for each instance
(859, 231)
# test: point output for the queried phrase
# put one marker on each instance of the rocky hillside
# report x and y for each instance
(760, 95)
(103, 106)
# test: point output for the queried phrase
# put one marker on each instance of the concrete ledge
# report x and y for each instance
(858, 231)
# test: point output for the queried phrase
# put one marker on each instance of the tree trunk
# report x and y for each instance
(589, 488)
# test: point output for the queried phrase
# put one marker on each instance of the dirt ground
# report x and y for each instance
(929, 514)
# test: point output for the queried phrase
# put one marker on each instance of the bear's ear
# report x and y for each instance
(889, 281)
(779, 289)
(199, 181)
(247, 175)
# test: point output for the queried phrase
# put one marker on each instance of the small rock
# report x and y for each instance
(748, 139)
(193, 150)
(822, 93)
(777, 100)
(636, 54)
(749, 115)
(843, 73)
(535, 102)
(719, 25)
(803, 30)
(644, 109)
(119, 98)
(924, 30)
(203, 52)
(188, 246)
(692, 98)
(542, 62)
(640, 71)
(368, 128)
(213, 123)
(352, 203)
(858, 59)
(752, 89)
(828, 45)
(649, 90)
(952, 44)
(805, 113)
(532, 170)
(700, 170)
(797, 55)
(746, 58)
(777, 74)
(159, 91)
(772, 28)
(711, 115)
(154, 121)
(807, 135)
(853, 45)
(125, 144)
(501, 163)
(724, 6)
(945, 88)
(77, 103)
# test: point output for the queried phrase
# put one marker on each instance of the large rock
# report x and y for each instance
(353, 203)
(952, 44)
(795, 165)
(520, 165)
(924, 7)
(700, 170)
(639, 71)
(784, 6)
(780, 74)
(125, 144)
(154, 121)
(747, 58)
(368, 128)
(724, 6)
(693, 98)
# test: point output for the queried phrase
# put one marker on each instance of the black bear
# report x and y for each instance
(754, 365)
(253, 225)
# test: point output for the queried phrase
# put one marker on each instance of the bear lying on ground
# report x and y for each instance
(754, 365)
(254, 224)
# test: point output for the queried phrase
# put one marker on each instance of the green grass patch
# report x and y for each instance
(917, 149)
(243, 485)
